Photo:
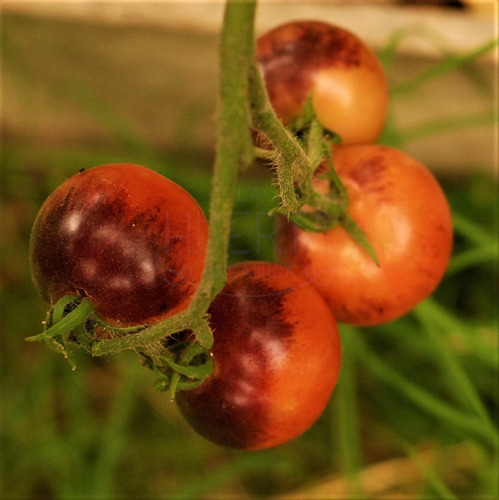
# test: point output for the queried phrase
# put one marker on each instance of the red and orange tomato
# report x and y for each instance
(342, 74)
(404, 213)
(128, 238)
(276, 356)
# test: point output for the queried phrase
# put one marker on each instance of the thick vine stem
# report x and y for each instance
(185, 320)
(234, 141)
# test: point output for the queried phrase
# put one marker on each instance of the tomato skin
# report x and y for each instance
(347, 83)
(403, 212)
(123, 235)
(276, 355)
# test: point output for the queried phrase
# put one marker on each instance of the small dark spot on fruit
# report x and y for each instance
(369, 171)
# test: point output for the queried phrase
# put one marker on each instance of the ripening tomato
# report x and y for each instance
(403, 212)
(344, 77)
(126, 237)
(276, 356)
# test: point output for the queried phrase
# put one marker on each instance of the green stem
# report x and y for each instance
(235, 144)
(293, 162)
(147, 336)
(347, 415)
(448, 65)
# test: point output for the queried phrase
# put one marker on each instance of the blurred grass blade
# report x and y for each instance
(483, 254)
(102, 111)
(447, 65)
(346, 421)
(114, 437)
(457, 419)
(472, 231)
(234, 468)
(487, 353)
(458, 381)
(438, 486)
(445, 125)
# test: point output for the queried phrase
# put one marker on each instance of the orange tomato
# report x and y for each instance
(404, 213)
(342, 74)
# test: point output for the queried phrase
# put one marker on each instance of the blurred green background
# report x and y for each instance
(415, 412)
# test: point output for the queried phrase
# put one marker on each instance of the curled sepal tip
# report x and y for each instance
(359, 237)
(204, 335)
(186, 367)
(316, 222)
(68, 315)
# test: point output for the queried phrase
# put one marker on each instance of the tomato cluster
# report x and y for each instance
(134, 245)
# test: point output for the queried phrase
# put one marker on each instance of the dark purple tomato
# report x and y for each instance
(131, 240)
(335, 67)
(276, 356)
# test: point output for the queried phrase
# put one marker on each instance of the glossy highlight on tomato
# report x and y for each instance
(128, 238)
(342, 74)
(276, 360)
(404, 213)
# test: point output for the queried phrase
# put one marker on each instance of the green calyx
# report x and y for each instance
(73, 323)
(302, 151)
(66, 326)
(183, 367)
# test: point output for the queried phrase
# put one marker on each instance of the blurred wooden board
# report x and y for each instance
(462, 29)
(154, 65)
